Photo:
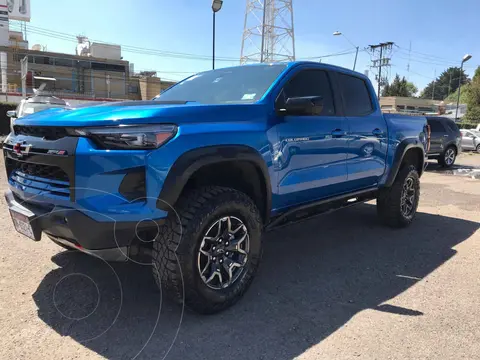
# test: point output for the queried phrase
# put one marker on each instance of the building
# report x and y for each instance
(78, 76)
(415, 106)
(146, 85)
(393, 104)
(94, 71)
(68, 75)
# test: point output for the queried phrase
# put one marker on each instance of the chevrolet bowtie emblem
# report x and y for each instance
(17, 149)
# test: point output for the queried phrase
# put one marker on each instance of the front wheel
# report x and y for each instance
(207, 256)
(478, 148)
(397, 205)
(448, 157)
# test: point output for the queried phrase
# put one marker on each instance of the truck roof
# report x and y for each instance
(291, 64)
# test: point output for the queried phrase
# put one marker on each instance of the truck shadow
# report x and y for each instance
(314, 278)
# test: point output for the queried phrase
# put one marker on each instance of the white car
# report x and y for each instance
(34, 104)
(470, 139)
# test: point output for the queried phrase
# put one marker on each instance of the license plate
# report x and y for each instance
(22, 224)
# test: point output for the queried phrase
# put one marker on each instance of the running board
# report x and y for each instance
(320, 207)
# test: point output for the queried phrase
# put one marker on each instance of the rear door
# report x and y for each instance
(438, 136)
(367, 134)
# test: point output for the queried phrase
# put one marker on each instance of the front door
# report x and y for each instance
(311, 150)
(367, 133)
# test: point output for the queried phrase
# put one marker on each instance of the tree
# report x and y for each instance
(452, 98)
(411, 89)
(445, 84)
(473, 100)
(399, 87)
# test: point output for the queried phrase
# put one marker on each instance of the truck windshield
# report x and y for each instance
(235, 85)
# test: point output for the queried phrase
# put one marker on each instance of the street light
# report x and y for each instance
(216, 6)
(338, 33)
(464, 60)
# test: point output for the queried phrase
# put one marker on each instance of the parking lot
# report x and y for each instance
(340, 286)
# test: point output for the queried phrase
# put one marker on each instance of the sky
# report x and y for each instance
(185, 26)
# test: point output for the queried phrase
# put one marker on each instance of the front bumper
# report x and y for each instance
(76, 229)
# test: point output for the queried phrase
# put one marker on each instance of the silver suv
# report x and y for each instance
(470, 139)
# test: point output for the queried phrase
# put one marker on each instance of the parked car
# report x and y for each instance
(191, 179)
(34, 104)
(445, 140)
(470, 139)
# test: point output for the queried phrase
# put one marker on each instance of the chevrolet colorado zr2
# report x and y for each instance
(191, 179)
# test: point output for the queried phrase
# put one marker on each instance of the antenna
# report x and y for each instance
(268, 34)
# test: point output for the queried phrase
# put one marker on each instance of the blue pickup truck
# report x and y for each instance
(191, 179)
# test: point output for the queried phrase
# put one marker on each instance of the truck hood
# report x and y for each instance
(143, 112)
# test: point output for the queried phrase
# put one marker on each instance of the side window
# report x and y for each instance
(452, 126)
(356, 95)
(436, 126)
(311, 83)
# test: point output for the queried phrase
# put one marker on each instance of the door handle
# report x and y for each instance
(445, 135)
(338, 133)
(377, 132)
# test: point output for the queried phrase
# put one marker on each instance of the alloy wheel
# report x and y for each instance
(407, 202)
(449, 156)
(223, 253)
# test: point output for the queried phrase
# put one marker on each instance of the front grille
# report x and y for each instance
(39, 179)
(46, 132)
(43, 171)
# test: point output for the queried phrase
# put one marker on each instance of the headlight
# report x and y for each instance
(129, 136)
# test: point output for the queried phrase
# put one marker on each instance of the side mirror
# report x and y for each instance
(306, 105)
(11, 113)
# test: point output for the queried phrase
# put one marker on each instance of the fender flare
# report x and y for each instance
(191, 161)
(402, 148)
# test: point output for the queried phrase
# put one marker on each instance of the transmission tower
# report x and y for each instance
(268, 34)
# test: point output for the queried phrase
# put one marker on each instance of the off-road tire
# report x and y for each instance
(389, 199)
(176, 248)
(441, 159)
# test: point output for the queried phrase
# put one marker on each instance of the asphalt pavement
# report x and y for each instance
(340, 286)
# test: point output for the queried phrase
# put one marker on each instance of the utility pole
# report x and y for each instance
(434, 81)
(380, 72)
(449, 82)
(409, 56)
(384, 50)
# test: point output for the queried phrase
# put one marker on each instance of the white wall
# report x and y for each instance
(106, 51)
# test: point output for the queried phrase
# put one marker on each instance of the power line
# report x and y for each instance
(427, 55)
(154, 52)
(126, 48)
(341, 53)
(430, 60)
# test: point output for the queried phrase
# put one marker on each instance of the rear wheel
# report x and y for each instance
(208, 255)
(397, 205)
(448, 157)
